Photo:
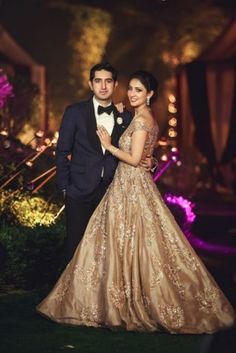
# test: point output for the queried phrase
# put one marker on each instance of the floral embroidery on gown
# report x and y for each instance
(134, 268)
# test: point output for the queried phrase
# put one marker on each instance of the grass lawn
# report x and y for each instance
(24, 331)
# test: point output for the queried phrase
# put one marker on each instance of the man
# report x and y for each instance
(84, 168)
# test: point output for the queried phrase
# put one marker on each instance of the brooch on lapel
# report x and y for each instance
(119, 120)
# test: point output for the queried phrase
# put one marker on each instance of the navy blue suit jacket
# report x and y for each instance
(81, 174)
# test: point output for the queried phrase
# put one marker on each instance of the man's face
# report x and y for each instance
(103, 86)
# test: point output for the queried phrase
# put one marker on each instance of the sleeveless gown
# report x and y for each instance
(134, 268)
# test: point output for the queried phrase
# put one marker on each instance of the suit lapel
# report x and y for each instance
(92, 126)
(117, 130)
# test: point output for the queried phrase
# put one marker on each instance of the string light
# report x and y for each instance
(172, 98)
(171, 108)
(6, 144)
(172, 133)
(4, 132)
(174, 149)
(47, 141)
(163, 142)
(39, 133)
(164, 157)
(172, 122)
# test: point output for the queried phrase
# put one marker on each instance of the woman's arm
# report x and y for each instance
(137, 146)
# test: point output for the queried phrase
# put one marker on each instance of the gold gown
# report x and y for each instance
(134, 268)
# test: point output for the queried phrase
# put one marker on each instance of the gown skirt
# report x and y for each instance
(134, 268)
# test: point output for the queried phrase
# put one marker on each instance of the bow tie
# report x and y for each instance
(107, 110)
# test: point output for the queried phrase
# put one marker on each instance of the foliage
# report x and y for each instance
(172, 34)
(25, 107)
(31, 239)
(193, 27)
(154, 35)
(88, 38)
(30, 257)
(26, 209)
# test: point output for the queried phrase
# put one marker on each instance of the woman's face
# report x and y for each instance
(137, 93)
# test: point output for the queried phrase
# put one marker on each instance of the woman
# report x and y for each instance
(134, 268)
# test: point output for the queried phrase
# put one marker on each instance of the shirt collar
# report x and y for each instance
(96, 104)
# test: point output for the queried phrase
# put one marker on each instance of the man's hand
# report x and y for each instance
(150, 163)
(120, 107)
(146, 163)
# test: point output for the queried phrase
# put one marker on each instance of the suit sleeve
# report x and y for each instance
(127, 116)
(64, 148)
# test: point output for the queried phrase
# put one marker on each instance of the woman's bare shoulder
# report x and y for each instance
(146, 118)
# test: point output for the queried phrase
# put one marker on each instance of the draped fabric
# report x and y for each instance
(212, 93)
(206, 92)
(220, 91)
(196, 73)
(230, 149)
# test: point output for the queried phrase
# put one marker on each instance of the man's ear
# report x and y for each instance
(116, 84)
(90, 85)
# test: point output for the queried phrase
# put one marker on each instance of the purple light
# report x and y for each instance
(6, 89)
(185, 204)
(166, 161)
(218, 249)
(162, 169)
(174, 158)
(196, 242)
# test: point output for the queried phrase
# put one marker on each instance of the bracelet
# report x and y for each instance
(114, 150)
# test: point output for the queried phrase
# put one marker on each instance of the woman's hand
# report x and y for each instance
(120, 107)
(104, 137)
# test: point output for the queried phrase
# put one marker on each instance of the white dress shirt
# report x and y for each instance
(104, 119)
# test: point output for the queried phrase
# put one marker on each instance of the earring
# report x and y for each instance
(148, 100)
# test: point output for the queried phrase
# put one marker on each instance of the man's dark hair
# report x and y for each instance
(103, 66)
